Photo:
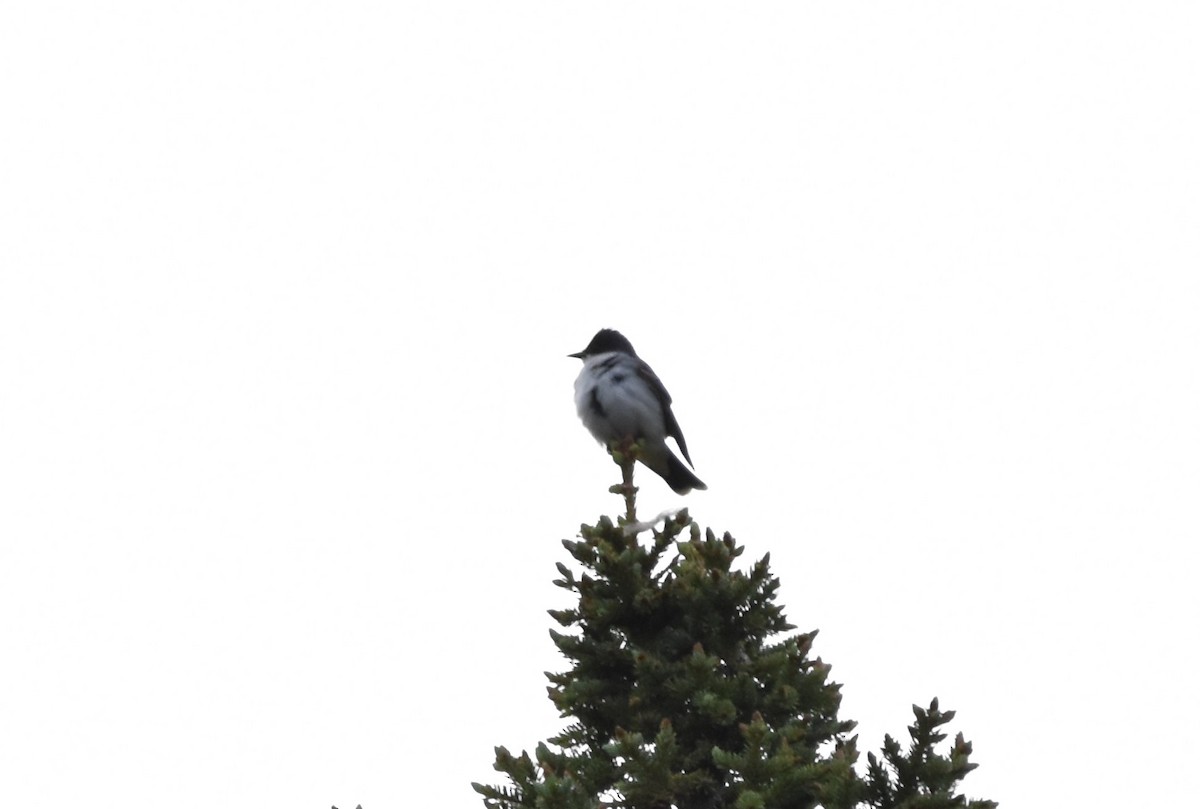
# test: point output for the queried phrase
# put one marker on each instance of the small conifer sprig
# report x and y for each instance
(625, 454)
(922, 778)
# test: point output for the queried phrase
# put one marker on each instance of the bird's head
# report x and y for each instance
(605, 341)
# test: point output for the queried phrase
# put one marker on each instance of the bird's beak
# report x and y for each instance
(577, 356)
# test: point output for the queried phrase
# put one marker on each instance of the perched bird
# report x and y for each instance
(619, 397)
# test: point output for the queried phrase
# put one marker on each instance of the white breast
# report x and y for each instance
(614, 402)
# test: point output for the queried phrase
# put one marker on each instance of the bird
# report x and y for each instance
(619, 397)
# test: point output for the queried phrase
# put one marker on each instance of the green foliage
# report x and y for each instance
(922, 778)
(687, 688)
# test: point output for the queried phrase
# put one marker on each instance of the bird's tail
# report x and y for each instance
(681, 479)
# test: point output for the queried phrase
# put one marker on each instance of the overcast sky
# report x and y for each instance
(287, 439)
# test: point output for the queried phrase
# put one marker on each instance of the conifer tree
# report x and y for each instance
(687, 689)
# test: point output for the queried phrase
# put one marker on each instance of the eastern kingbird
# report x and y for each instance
(619, 397)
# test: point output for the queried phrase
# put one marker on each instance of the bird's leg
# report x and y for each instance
(625, 454)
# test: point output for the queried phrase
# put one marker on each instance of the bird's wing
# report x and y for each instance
(669, 422)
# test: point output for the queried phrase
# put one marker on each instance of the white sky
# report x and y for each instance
(287, 441)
